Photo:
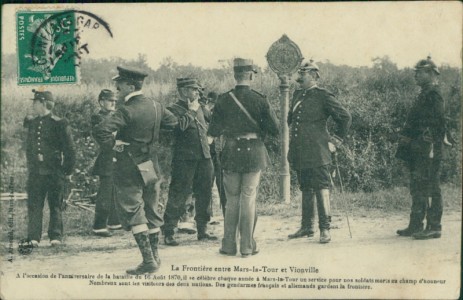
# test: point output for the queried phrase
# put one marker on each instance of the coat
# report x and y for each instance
(308, 115)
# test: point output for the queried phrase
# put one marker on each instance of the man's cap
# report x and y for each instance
(106, 95)
(243, 65)
(427, 64)
(42, 96)
(129, 75)
(188, 82)
(308, 65)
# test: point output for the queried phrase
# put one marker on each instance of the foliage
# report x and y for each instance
(378, 98)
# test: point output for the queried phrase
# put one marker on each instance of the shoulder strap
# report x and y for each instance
(243, 109)
(157, 121)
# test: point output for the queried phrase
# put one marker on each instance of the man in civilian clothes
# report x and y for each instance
(311, 147)
(105, 209)
(424, 133)
(244, 117)
(192, 169)
(137, 124)
(51, 157)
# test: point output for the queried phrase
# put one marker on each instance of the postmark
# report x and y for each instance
(51, 44)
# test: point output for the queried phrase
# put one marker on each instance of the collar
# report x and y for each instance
(45, 116)
(136, 93)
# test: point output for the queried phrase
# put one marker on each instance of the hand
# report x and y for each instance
(194, 105)
(68, 178)
(119, 146)
(334, 143)
(331, 147)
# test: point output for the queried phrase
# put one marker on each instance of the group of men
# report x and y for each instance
(241, 119)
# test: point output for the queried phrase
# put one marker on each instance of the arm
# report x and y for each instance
(169, 120)
(69, 151)
(340, 115)
(215, 127)
(103, 132)
(184, 116)
(269, 121)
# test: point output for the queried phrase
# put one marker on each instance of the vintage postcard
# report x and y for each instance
(270, 165)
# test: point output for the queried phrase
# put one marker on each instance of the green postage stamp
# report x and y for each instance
(52, 43)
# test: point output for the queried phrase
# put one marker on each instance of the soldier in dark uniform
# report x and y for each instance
(423, 137)
(105, 209)
(244, 117)
(51, 157)
(137, 124)
(192, 168)
(311, 147)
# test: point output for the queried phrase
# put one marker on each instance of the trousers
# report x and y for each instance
(105, 208)
(40, 187)
(240, 212)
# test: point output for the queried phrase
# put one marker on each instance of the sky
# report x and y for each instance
(206, 34)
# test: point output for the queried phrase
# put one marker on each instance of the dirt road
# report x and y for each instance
(366, 265)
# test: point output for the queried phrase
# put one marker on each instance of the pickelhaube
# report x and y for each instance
(427, 64)
(308, 65)
(42, 96)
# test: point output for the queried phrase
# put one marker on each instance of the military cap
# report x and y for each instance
(129, 75)
(243, 65)
(308, 65)
(188, 82)
(42, 96)
(106, 95)
(427, 64)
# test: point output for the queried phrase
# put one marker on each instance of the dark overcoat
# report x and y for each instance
(309, 136)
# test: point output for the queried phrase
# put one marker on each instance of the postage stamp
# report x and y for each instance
(50, 45)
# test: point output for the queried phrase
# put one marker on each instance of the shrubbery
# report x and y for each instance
(377, 97)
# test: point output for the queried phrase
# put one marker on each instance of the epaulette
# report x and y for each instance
(258, 93)
(55, 118)
(324, 90)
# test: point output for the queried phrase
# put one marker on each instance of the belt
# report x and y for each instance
(245, 136)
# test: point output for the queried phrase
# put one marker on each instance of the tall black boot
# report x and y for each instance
(308, 214)
(203, 235)
(148, 264)
(324, 215)
(419, 207)
(154, 242)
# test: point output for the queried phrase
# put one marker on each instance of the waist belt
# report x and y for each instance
(245, 136)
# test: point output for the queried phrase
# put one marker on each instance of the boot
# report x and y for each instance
(203, 235)
(169, 240)
(154, 241)
(324, 215)
(308, 214)
(427, 234)
(415, 225)
(148, 264)
(325, 236)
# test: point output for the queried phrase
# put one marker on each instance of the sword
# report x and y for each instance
(342, 191)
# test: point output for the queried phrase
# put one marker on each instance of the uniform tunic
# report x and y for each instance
(243, 155)
(309, 137)
(50, 155)
(192, 169)
(135, 123)
(425, 127)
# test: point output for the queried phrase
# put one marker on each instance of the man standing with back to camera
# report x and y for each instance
(51, 156)
(244, 117)
(311, 147)
(423, 139)
(137, 123)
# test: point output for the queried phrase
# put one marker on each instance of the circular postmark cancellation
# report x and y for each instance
(51, 44)
(25, 247)
(284, 56)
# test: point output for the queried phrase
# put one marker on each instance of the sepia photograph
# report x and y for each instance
(243, 150)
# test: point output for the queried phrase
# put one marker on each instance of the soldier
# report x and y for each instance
(216, 152)
(192, 168)
(51, 157)
(311, 146)
(244, 117)
(137, 123)
(423, 137)
(105, 209)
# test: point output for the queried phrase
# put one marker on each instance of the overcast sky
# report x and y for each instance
(203, 34)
